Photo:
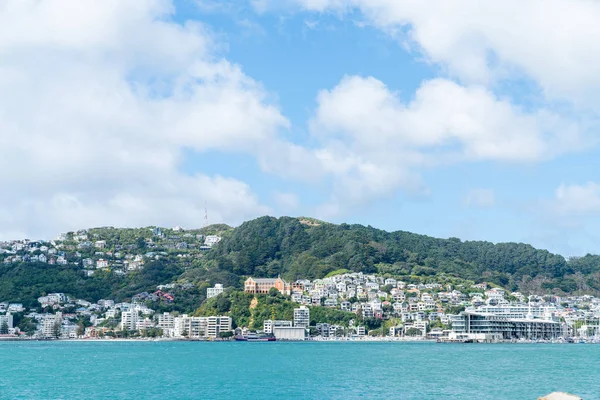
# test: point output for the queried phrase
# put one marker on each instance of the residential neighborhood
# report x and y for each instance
(384, 308)
(87, 248)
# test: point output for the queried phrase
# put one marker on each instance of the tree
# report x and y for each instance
(28, 326)
(4, 328)
(82, 324)
(414, 332)
(56, 329)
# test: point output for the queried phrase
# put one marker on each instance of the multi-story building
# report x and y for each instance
(302, 317)
(166, 322)
(269, 325)
(199, 327)
(519, 311)
(214, 291)
(15, 308)
(129, 320)
(6, 319)
(323, 329)
(216, 325)
(51, 325)
(264, 285)
(504, 327)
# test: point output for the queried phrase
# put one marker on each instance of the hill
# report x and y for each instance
(294, 249)
(138, 260)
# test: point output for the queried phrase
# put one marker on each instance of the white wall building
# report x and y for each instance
(289, 333)
(166, 322)
(214, 291)
(6, 319)
(302, 317)
(269, 325)
(130, 320)
(211, 240)
(49, 324)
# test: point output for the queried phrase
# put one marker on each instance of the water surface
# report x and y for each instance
(188, 370)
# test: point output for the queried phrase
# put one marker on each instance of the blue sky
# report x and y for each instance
(404, 116)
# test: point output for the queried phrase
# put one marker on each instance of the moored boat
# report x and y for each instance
(255, 338)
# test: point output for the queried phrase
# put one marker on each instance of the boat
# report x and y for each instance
(255, 338)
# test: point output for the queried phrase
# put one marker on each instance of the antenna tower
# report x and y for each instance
(205, 214)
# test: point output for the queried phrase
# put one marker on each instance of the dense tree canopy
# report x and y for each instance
(295, 249)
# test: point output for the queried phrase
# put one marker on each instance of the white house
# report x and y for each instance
(214, 291)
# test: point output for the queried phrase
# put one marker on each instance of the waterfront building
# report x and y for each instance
(129, 320)
(264, 285)
(166, 322)
(214, 291)
(198, 327)
(6, 319)
(507, 328)
(302, 317)
(49, 324)
(269, 325)
(519, 311)
(216, 325)
(324, 329)
(289, 333)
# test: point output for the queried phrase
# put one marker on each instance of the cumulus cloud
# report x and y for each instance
(483, 41)
(577, 200)
(98, 100)
(467, 121)
(373, 143)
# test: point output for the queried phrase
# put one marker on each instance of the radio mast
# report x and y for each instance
(205, 214)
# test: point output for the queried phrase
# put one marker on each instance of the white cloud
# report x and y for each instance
(443, 114)
(97, 103)
(577, 200)
(481, 198)
(373, 143)
(553, 42)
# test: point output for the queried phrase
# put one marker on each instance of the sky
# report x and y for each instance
(448, 118)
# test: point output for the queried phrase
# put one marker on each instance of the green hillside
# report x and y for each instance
(294, 248)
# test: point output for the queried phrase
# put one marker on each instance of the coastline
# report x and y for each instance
(312, 340)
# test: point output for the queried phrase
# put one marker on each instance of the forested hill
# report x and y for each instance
(304, 248)
(138, 260)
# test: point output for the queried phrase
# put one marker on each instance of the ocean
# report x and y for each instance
(196, 370)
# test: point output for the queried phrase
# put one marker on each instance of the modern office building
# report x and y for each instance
(504, 327)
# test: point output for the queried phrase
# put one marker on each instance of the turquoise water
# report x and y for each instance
(168, 370)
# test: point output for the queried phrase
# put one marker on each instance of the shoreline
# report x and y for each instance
(342, 340)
